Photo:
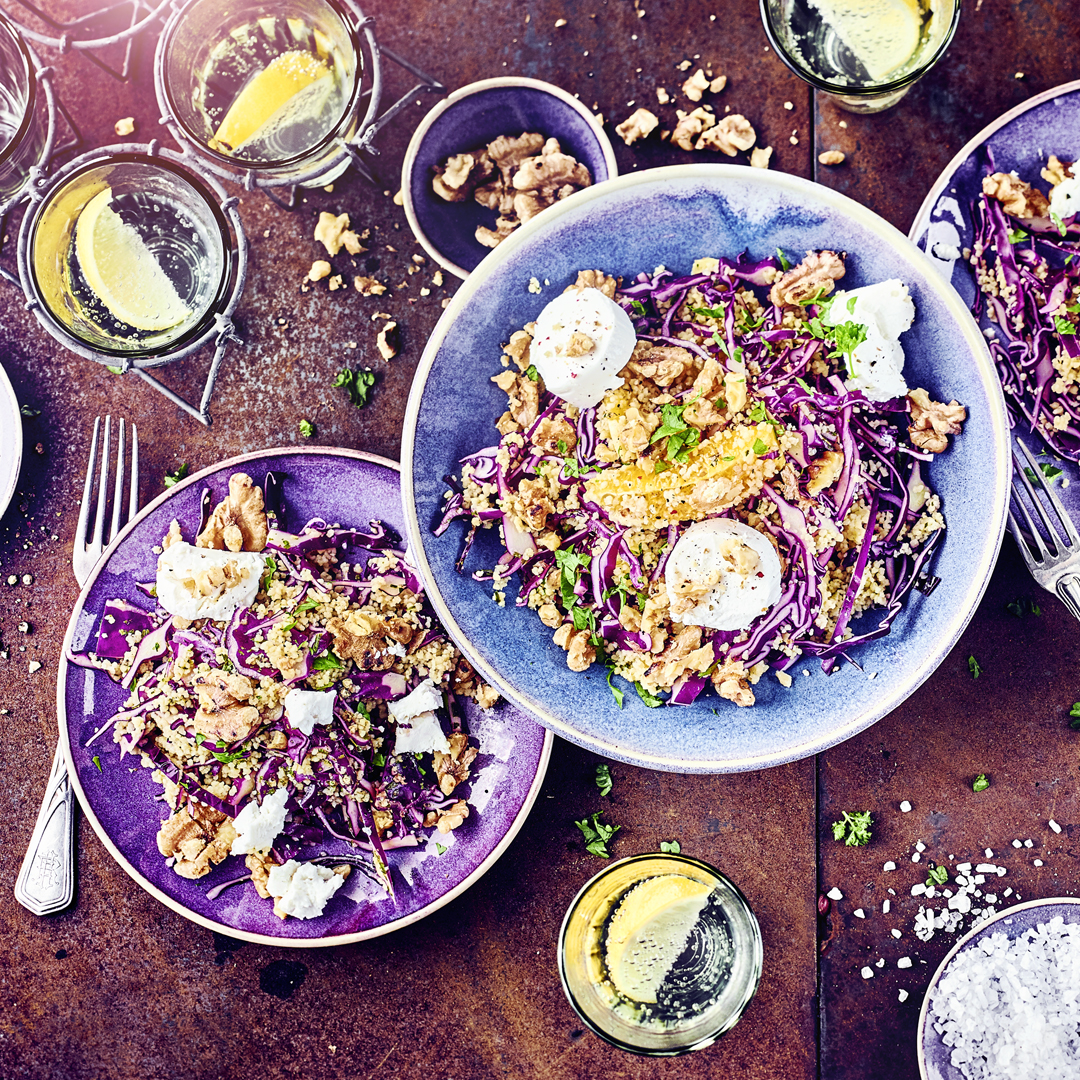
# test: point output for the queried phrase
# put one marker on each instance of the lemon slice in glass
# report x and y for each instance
(883, 34)
(273, 87)
(122, 271)
(649, 930)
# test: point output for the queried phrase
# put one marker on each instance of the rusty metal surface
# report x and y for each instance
(120, 986)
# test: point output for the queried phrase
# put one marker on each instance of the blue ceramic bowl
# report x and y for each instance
(469, 118)
(671, 216)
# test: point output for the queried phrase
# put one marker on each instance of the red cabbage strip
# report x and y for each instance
(857, 574)
(152, 647)
(124, 714)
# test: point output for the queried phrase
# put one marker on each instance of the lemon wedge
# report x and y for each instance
(277, 84)
(883, 34)
(649, 930)
(122, 271)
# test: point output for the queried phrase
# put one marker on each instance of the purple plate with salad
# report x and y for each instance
(263, 718)
(1026, 253)
(679, 550)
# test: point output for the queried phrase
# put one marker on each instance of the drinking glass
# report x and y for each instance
(22, 133)
(268, 87)
(128, 255)
(866, 54)
(660, 954)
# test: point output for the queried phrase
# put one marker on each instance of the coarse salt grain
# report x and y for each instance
(890, 865)
(916, 857)
(896, 933)
(886, 905)
(1054, 825)
(1029, 843)
(1037, 862)
(1017, 843)
(919, 845)
(904, 962)
(905, 807)
(989, 853)
(867, 973)
(902, 995)
(835, 894)
(859, 913)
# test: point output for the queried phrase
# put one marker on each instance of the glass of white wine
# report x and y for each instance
(660, 954)
(22, 130)
(866, 54)
(128, 255)
(266, 87)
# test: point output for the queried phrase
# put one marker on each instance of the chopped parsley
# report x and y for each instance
(784, 263)
(973, 667)
(1063, 325)
(174, 478)
(570, 565)
(268, 573)
(937, 875)
(532, 374)
(853, 828)
(681, 438)
(650, 699)
(439, 848)
(616, 692)
(760, 447)
(97, 763)
(327, 662)
(638, 307)
(603, 779)
(597, 834)
(307, 428)
(1074, 712)
(27, 411)
(848, 336)
(1016, 235)
(980, 783)
(1022, 606)
(670, 847)
(357, 384)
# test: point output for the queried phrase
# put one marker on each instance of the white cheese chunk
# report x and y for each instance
(302, 889)
(205, 583)
(886, 310)
(418, 727)
(258, 825)
(306, 708)
(729, 568)
(581, 343)
(1065, 198)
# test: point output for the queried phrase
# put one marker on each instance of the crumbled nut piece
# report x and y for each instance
(637, 126)
(238, 522)
(125, 126)
(260, 864)
(831, 157)
(816, 275)
(222, 713)
(1016, 196)
(932, 422)
(172, 536)
(1056, 170)
(691, 125)
(368, 639)
(330, 230)
(662, 96)
(733, 133)
(731, 683)
(718, 84)
(452, 768)
(336, 282)
(196, 836)
(320, 269)
(452, 816)
(683, 65)
(595, 279)
(368, 286)
(437, 278)
(696, 85)
(386, 341)
(580, 652)
(759, 157)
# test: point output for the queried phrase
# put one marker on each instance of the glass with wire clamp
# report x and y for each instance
(866, 54)
(22, 126)
(660, 954)
(271, 87)
(128, 255)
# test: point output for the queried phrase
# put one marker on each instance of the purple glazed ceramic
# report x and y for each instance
(1019, 141)
(11, 441)
(342, 486)
(671, 216)
(933, 1054)
(470, 118)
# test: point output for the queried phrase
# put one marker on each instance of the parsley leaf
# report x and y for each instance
(650, 699)
(532, 374)
(327, 662)
(981, 783)
(1074, 712)
(853, 828)
(616, 692)
(174, 478)
(597, 834)
(784, 263)
(638, 307)
(27, 411)
(1022, 606)
(1016, 235)
(937, 875)
(357, 384)
(973, 667)
(439, 849)
(307, 428)
(1064, 326)
(570, 564)
(760, 447)
(584, 618)
(672, 847)
(848, 336)
(681, 438)
(603, 779)
(97, 763)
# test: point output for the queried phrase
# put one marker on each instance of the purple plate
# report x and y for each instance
(343, 486)
(933, 1054)
(1020, 141)
(11, 441)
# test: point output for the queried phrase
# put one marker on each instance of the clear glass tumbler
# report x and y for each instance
(866, 54)
(129, 255)
(22, 131)
(660, 954)
(271, 87)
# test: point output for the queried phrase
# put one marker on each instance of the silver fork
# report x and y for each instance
(46, 881)
(1052, 553)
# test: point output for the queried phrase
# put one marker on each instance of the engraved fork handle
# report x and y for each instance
(46, 882)
(1068, 589)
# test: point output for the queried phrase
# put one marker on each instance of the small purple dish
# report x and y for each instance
(469, 118)
(933, 1055)
(120, 801)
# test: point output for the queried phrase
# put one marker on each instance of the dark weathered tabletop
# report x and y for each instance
(120, 986)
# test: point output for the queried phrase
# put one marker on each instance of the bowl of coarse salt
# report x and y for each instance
(1005, 1002)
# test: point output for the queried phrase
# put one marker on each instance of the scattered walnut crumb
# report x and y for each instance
(759, 157)
(683, 66)
(125, 126)
(399, 199)
(336, 282)
(696, 85)
(637, 126)
(717, 84)
(368, 286)
(662, 95)
(386, 340)
(320, 269)
(731, 134)
(691, 125)
(560, 22)
(437, 278)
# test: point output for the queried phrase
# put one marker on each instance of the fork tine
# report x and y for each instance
(118, 487)
(88, 485)
(1032, 531)
(1055, 502)
(103, 490)
(133, 500)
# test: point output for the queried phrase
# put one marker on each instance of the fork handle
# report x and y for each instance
(46, 882)
(1068, 589)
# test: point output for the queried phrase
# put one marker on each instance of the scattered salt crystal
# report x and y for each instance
(1017, 843)
(859, 913)
(1007, 892)
(963, 867)
(835, 894)
(867, 972)
(931, 891)
(916, 857)
(1054, 825)
(902, 995)
(989, 853)
(918, 889)
(985, 868)
(920, 846)
(890, 865)
(1029, 843)
(1037, 862)
(904, 962)
(1001, 871)
(892, 892)
(979, 878)
(896, 933)
(880, 963)
(991, 898)
(885, 906)
(905, 807)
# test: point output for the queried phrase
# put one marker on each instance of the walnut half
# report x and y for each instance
(195, 837)
(238, 522)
